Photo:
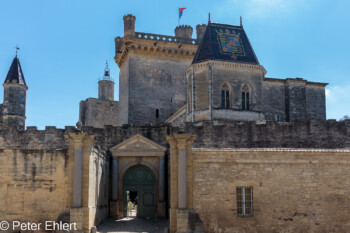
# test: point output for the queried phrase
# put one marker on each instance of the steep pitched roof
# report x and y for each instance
(15, 74)
(225, 43)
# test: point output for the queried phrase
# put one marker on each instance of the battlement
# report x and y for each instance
(165, 38)
(129, 17)
(183, 31)
(330, 134)
(200, 29)
(50, 138)
(129, 25)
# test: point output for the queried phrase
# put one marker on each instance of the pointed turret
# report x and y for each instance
(15, 92)
(15, 74)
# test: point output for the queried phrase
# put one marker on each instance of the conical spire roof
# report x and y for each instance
(15, 74)
(224, 42)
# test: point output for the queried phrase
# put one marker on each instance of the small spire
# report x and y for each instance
(241, 21)
(15, 74)
(209, 18)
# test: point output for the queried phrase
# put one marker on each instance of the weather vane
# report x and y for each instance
(17, 48)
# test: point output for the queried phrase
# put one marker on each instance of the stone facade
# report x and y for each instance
(152, 73)
(97, 112)
(170, 139)
(293, 190)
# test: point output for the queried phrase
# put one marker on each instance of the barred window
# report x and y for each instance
(245, 201)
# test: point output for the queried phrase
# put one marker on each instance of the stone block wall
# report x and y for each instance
(293, 191)
(124, 94)
(33, 185)
(297, 134)
(293, 99)
(97, 112)
(96, 189)
(149, 84)
(34, 175)
(274, 100)
(315, 102)
(237, 77)
(201, 89)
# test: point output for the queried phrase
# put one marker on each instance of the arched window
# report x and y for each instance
(225, 96)
(245, 98)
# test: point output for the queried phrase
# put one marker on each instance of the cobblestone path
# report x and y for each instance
(134, 225)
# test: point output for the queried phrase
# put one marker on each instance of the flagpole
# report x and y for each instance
(179, 16)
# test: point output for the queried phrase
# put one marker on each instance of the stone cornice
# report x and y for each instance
(226, 64)
(174, 49)
(308, 83)
(345, 150)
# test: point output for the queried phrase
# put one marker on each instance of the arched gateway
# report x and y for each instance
(139, 187)
(138, 175)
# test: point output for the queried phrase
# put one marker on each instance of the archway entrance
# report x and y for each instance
(139, 185)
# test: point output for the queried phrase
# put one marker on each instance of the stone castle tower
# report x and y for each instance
(152, 72)
(215, 77)
(97, 112)
(15, 92)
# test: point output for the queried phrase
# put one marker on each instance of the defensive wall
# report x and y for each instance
(303, 165)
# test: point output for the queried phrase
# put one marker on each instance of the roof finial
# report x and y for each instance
(17, 48)
(241, 21)
(106, 63)
(209, 18)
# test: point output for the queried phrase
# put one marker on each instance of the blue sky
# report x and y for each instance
(65, 43)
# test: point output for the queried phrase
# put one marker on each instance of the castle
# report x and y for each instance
(199, 136)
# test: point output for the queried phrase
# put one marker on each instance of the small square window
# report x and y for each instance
(244, 201)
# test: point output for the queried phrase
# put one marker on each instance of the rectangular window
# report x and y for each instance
(244, 201)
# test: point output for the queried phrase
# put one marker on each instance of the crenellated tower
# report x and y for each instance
(152, 66)
(15, 93)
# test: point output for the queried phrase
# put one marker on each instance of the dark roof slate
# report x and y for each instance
(225, 43)
(15, 73)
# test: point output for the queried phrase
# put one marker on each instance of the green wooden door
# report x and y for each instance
(141, 179)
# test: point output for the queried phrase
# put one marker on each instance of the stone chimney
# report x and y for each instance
(184, 31)
(200, 29)
(129, 25)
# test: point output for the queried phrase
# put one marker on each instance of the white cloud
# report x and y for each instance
(338, 101)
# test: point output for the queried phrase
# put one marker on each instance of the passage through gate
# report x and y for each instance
(139, 185)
